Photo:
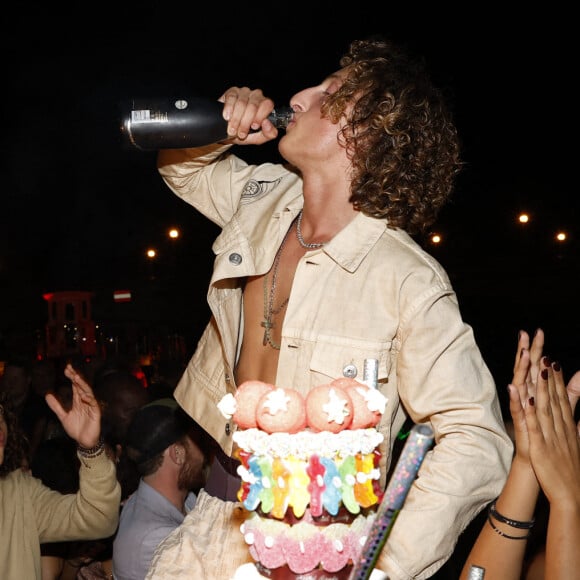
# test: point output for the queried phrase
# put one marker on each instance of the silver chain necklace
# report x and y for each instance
(269, 310)
(311, 246)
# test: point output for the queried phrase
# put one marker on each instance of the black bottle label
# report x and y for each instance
(174, 123)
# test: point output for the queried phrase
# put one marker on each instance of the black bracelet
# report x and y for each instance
(91, 452)
(509, 522)
(498, 531)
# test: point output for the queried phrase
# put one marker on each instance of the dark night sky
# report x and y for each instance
(78, 208)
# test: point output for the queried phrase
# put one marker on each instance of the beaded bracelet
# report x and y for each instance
(513, 523)
(92, 452)
(498, 531)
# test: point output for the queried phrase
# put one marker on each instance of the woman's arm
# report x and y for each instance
(555, 457)
(500, 547)
(547, 455)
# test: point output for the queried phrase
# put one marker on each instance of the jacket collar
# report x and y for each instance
(352, 244)
(348, 248)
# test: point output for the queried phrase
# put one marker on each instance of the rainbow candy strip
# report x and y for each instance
(417, 445)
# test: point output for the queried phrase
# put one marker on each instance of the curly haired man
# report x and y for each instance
(316, 270)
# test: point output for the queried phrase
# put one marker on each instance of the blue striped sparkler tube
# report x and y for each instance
(418, 443)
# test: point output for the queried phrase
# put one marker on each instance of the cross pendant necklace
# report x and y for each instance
(269, 310)
(267, 328)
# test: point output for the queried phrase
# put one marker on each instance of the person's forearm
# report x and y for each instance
(171, 162)
(520, 493)
(563, 541)
(499, 555)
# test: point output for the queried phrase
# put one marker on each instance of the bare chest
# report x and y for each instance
(266, 299)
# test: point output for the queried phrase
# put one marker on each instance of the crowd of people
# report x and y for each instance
(130, 416)
(166, 459)
(317, 269)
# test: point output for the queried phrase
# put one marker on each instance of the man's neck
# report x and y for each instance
(167, 487)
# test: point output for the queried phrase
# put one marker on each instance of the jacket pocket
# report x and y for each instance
(336, 357)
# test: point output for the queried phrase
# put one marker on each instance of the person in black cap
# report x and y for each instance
(171, 455)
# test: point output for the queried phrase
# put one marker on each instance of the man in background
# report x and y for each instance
(169, 452)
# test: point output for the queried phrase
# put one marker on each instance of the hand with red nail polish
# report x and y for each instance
(555, 456)
(547, 458)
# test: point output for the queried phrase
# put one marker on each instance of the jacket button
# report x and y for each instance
(235, 259)
(349, 371)
(228, 429)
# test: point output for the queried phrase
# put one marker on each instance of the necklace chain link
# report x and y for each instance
(269, 295)
(308, 246)
(269, 310)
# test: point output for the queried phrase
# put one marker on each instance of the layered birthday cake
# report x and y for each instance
(310, 475)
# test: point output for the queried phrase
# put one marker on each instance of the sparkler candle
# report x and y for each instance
(417, 445)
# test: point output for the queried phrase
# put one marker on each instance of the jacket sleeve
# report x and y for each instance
(217, 183)
(91, 513)
(444, 382)
(195, 175)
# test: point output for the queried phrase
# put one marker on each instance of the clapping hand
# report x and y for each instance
(523, 386)
(553, 435)
(528, 366)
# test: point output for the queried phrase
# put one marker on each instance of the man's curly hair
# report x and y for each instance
(399, 135)
(16, 449)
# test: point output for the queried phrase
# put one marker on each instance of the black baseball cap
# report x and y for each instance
(154, 428)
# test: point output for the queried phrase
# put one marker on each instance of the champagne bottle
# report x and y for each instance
(166, 123)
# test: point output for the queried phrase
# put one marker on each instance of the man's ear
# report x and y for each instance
(177, 453)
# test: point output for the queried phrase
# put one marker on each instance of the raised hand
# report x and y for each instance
(555, 456)
(83, 421)
(553, 435)
(527, 372)
(523, 386)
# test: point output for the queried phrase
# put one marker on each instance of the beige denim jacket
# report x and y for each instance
(371, 292)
